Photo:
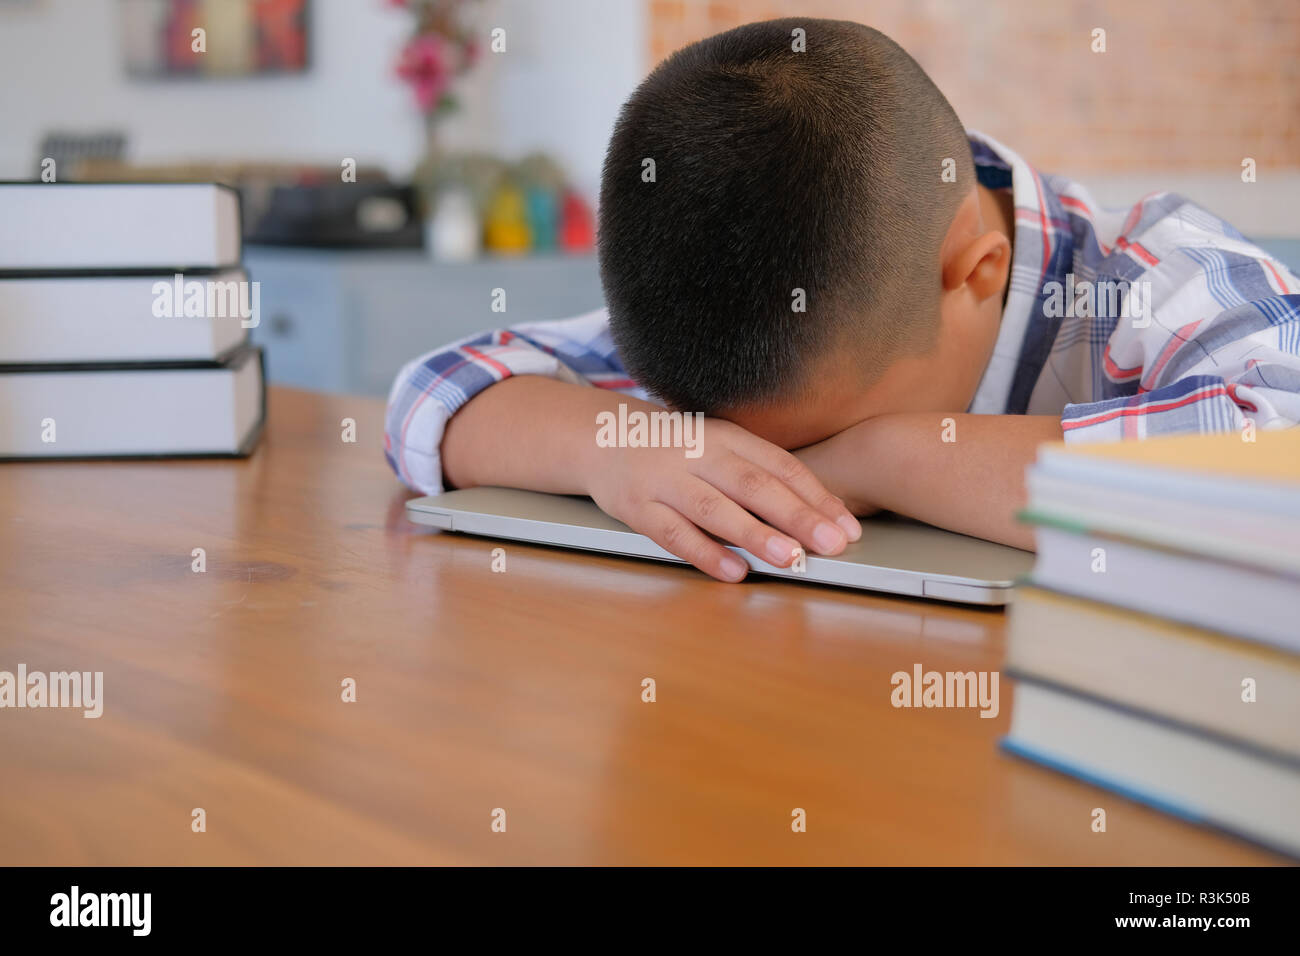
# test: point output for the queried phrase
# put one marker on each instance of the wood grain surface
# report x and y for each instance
(478, 690)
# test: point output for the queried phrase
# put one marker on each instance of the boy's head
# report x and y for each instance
(778, 243)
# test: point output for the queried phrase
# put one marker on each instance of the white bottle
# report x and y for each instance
(454, 234)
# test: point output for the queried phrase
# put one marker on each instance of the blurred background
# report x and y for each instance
(398, 161)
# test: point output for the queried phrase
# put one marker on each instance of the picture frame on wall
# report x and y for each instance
(163, 39)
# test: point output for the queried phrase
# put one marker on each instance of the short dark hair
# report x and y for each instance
(776, 170)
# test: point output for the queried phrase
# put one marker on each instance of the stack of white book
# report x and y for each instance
(1157, 644)
(124, 318)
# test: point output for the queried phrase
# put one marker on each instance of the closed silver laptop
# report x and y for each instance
(894, 555)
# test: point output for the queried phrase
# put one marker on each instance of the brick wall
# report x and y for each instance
(1184, 85)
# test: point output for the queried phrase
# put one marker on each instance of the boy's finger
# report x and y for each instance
(771, 499)
(710, 509)
(675, 534)
(806, 485)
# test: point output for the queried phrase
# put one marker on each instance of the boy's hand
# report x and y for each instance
(673, 500)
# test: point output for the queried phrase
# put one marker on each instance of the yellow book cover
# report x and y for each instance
(1272, 456)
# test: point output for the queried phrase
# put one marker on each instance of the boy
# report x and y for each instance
(798, 240)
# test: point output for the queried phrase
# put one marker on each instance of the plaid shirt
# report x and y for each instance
(1217, 342)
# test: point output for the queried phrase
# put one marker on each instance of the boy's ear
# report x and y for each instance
(981, 263)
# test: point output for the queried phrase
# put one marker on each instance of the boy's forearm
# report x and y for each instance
(973, 482)
(527, 431)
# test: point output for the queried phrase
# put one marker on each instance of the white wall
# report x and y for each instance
(568, 66)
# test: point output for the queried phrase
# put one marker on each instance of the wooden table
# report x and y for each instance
(478, 690)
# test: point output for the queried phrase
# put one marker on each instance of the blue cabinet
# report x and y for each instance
(347, 321)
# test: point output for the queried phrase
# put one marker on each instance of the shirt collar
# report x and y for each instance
(1038, 254)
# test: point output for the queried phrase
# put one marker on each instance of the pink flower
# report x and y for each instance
(424, 63)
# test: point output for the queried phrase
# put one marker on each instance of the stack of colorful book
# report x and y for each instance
(1157, 644)
(124, 319)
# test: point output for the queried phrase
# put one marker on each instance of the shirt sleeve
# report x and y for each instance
(430, 389)
(1206, 375)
